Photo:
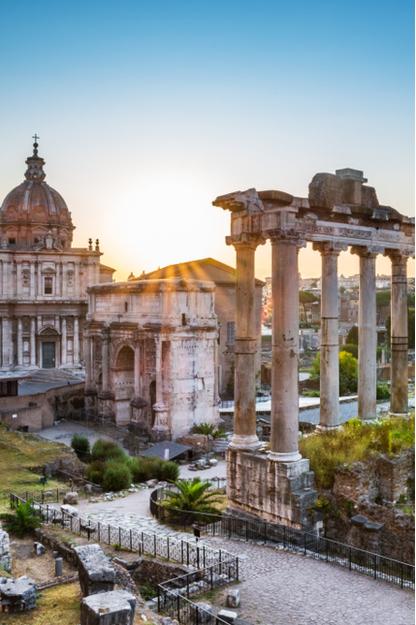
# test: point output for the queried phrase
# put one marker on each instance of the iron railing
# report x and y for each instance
(307, 543)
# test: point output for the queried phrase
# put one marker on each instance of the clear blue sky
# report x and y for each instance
(148, 110)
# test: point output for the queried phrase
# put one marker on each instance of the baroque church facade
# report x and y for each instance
(43, 279)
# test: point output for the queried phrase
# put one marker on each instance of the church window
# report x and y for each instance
(12, 241)
(48, 284)
(126, 306)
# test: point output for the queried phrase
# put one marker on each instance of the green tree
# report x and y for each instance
(348, 372)
(81, 445)
(352, 336)
(192, 496)
(23, 521)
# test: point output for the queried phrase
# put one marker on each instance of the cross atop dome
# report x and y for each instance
(35, 163)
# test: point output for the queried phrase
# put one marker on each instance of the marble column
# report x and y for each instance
(19, 342)
(161, 426)
(245, 348)
(285, 351)
(40, 289)
(76, 341)
(32, 341)
(329, 353)
(77, 281)
(367, 334)
(89, 363)
(32, 281)
(105, 361)
(18, 278)
(63, 341)
(58, 280)
(6, 342)
(399, 331)
(137, 372)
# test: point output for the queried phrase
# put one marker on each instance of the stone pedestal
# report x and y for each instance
(277, 492)
(106, 406)
(160, 430)
(5, 553)
(108, 608)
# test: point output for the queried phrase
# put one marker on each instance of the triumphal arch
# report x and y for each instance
(340, 212)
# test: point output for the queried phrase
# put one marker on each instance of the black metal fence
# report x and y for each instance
(299, 541)
(173, 595)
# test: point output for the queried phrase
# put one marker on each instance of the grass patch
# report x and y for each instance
(55, 605)
(355, 441)
(21, 455)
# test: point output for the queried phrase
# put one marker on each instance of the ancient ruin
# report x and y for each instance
(151, 355)
(340, 212)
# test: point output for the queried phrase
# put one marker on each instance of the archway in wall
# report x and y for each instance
(123, 381)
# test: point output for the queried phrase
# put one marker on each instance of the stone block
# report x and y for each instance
(115, 607)
(96, 572)
(233, 598)
(17, 595)
(71, 498)
(229, 616)
(67, 509)
(204, 612)
(5, 553)
(39, 549)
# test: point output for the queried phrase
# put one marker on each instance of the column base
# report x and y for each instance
(277, 456)
(403, 415)
(277, 492)
(322, 427)
(245, 442)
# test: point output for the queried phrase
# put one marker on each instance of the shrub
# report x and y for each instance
(81, 445)
(117, 476)
(167, 471)
(143, 469)
(107, 450)
(351, 348)
(383, 391)
(348, 372)
(95, 472)
(23, 521)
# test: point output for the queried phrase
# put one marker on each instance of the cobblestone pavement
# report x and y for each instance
(282, 588)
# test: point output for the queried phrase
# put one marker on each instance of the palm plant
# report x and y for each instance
(24, 520)
(192, 500)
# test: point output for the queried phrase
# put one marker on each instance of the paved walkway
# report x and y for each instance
(282, 588)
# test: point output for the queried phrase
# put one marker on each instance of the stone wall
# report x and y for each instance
(362, 507)
(40, 410)
(154, 573)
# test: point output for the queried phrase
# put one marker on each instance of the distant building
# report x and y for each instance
(43, 279)
(224, 278)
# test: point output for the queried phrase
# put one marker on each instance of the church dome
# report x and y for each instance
(33, 210)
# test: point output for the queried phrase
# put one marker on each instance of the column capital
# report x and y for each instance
(367, 251)
(246, 240)
(288, 237)
(398, 257)
(329, 248)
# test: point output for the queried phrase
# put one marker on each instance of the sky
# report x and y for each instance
(147, 111)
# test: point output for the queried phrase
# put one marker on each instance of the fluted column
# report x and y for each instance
(89, 363)
(19, 341)
(64, 341)
(105, 361)
(137, 373)
(32, 281)
(399, 333)
(7, 348)
(76, 341)
(245, 348)
(329, 353)
(285, 351)
(161, 426)
(367, 334)
(32, 341)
